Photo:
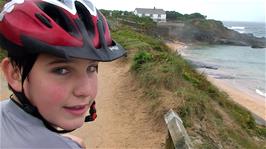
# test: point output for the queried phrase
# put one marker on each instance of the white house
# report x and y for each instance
(157, 15)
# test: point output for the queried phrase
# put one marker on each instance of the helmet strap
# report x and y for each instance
(32, 110)
(26, 106)
(93, 114)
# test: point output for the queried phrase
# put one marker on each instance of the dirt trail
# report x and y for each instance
(123, 120)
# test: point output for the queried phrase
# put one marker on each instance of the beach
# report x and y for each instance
(176, 46)
(254, 103)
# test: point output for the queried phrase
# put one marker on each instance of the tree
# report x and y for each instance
(176, 16)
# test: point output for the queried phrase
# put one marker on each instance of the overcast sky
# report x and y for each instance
(224, 10)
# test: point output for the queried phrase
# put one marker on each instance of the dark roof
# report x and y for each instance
(150, 11)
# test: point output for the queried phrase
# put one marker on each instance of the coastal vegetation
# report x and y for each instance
(128, 18)
(193, 27)
(176, 16)
(211, 118)
(1, 4)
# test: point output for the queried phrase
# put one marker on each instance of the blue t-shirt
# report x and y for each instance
(19, 129)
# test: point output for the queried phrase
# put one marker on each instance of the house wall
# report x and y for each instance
(159, 18)
(155, 17)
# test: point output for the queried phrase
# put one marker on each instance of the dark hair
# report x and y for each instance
(24, 63)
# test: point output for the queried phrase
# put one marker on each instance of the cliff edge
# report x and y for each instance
(208, 31)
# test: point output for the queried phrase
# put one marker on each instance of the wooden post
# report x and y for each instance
(177, 131)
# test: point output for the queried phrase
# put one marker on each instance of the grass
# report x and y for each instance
(3, 54)
(1, 4)
(207, 113)
(137, 40)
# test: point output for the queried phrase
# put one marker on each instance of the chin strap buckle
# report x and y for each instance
(93, 114)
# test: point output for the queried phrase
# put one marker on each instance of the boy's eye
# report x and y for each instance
(93, 68)
(61, 71)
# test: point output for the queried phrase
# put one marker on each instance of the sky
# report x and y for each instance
(223, 10)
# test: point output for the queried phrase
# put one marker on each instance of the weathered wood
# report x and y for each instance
(177, 131)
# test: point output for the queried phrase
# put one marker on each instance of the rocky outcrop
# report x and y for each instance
(210, 31)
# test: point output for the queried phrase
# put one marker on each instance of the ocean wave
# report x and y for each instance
(237, 27)
(221, 76)
(240, 29)
(198, 64)
(260, 93)
(222, 60)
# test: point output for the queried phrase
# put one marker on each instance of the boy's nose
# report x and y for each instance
(85, 86)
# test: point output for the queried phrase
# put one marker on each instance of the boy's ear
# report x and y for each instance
(12, 75)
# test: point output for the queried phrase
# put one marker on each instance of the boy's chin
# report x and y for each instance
(72, 125)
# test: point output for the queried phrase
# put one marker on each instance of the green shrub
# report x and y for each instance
(189, 77)
(261, 131)
(141, 58)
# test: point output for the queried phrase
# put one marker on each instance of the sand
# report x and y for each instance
(254, 103)
(176, 47)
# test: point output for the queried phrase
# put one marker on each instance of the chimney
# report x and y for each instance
(154, 7)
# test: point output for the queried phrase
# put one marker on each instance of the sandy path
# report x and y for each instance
(123, 120)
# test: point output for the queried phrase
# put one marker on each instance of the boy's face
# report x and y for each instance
(62, 90)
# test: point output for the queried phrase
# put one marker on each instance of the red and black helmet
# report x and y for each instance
(64, 28)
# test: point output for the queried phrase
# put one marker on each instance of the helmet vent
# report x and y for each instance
(85, 17)
(102, 19)
(59, 17)
(44, 20)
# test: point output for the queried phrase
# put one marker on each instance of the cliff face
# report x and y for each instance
(210, 31)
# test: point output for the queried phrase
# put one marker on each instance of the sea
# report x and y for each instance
(241, 66)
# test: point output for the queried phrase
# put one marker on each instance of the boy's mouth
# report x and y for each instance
(77, 110)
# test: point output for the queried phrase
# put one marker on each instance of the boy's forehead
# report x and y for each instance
(55, 59)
